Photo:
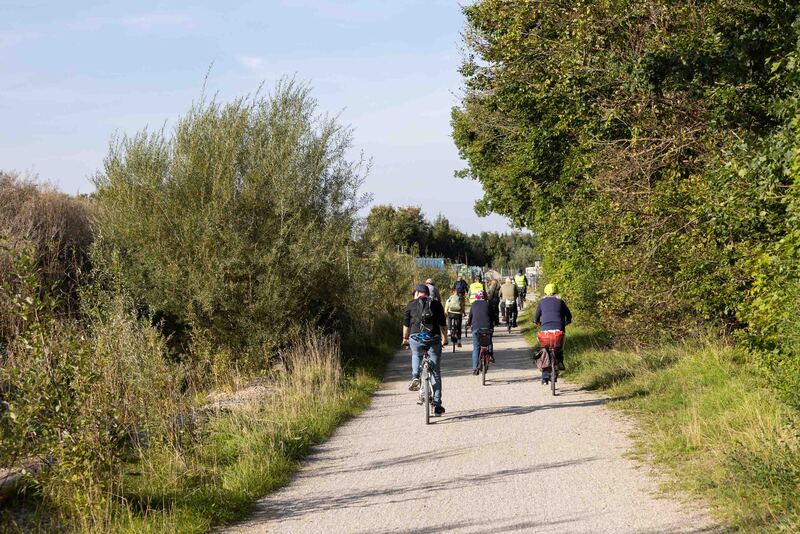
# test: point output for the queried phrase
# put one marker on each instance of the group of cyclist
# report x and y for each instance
(426, 321)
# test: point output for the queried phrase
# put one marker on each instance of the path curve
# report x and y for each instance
(486, 466)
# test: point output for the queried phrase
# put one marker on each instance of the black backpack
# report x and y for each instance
(425, 315)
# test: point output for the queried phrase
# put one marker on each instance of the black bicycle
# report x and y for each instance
(455, 329)
(484, 358)
(427, 379)
(552, 347)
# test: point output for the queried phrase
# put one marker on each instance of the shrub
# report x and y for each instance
(234, 227)
(50, 228)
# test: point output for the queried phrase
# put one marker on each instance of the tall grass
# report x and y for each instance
(244, 454)
(709, 417)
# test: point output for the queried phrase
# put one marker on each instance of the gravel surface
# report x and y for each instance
(506, 457)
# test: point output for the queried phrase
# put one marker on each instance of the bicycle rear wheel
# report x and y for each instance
(484, 367)
(553, 371)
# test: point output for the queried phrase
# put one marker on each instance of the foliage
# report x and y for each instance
(50, 228)
(406, 228)
(77, 401)
(649, 145)
(234, 227)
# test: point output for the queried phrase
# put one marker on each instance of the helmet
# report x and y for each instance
(550, 289)
(479, 295)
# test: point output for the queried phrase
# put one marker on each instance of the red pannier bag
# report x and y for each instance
(552, 339)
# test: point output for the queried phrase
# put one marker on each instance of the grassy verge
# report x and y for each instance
(707, 418)
(244, 455)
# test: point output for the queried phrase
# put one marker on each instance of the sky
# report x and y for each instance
(74, 74)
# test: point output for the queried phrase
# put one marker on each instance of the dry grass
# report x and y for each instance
(55, 227)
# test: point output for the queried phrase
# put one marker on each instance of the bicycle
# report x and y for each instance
(552, 343)
(455, 329)
(511, 314)
(427, 379)
(484, 340)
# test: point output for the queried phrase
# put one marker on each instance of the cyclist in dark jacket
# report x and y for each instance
(480, 318)
(425, 328)
(552, 313)
(461, 286)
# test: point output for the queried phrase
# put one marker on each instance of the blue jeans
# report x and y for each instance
(476, 349)
(434, 354)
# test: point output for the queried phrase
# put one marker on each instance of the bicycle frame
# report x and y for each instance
(426, 387)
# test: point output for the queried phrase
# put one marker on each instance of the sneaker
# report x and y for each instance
(414, 385)
(545, 382)
(439, 410)
(476, 372)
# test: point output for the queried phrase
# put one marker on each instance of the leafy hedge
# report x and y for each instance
(651, 146)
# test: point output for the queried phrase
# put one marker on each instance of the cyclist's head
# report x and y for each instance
(421, 291)
(550, 289)
(479, 295)
(519, 272)
(429, 281)
(508, 279)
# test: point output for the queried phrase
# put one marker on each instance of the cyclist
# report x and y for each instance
(522, 284)
(552, 313)
(480, 318)
(425, 328)
(475, 287)
(454, 309)
(508, 301)
(433, 290)
(493, 297)
(461, 286)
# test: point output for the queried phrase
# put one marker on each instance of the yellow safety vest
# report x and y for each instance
(473, 290)
(519, 279)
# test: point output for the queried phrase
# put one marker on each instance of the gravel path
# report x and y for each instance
(507, 457)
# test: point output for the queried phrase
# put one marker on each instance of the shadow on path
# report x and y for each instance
(283, 508)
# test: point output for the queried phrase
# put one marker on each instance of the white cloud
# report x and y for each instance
(140, 22)
(252, 63)
(15, 38)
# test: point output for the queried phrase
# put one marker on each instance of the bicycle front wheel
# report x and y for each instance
(426, 396)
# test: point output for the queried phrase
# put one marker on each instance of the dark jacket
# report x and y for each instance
(461, 287)
(412, 316)
(480, 315)
(552, 313)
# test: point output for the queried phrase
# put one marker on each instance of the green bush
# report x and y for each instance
(649, 145)
(234, 227)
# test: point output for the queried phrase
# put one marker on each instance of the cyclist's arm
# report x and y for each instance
(567, 313)
(406, 324)
(538, 316)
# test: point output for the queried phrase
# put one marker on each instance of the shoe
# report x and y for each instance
(439, 410)
(414, 385)
(476, 372)
(545, 382)
(459, 344)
